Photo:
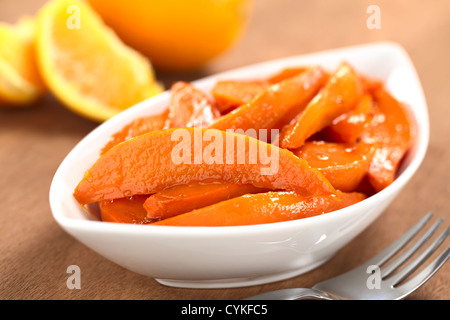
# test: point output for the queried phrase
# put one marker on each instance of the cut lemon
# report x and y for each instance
(86, 65)
(20, 82)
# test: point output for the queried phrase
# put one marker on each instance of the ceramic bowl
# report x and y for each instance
(219, 257)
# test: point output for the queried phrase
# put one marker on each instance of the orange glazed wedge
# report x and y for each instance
(86, 65)
(339, 96)
(263, 208)
(136, 128)
(125, 210)
(162, 159)
(190, 107)
(276, 105)
(184, 198)
(348, 127)
(344, 165)
(392, 129)
(230, 94)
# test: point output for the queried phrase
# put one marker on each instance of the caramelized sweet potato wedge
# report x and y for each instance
(338, 97)
(344, 165)
(190, 107)
(162, 159)
(184, 198)
(124, 210)
(230, 94)
(348, 127)
(392, 129)
(286, 74)
(262, 208)
(277, 105)
(137, 127)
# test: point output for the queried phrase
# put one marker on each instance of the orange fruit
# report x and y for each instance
(86, 65)
(177, 35)
(20, 82)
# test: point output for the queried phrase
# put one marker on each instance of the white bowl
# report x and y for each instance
(219, 257)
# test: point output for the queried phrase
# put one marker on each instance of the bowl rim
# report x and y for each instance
(422, 141)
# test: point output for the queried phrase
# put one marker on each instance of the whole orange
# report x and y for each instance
(177, 35)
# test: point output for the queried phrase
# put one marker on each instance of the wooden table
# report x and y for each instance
(35, 251)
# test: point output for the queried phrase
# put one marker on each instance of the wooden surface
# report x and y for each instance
(35, 252)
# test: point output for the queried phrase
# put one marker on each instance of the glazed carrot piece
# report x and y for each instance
(124, 210)
(392, 130)
(277, 105)
(137, 127)
(184, 198)
(339, 96)
(190, 107)
(262, 208)
(159, 160)
(348, 127)
(230, 94)
(344, 165)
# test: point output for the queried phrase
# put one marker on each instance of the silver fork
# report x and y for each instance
(374, 280)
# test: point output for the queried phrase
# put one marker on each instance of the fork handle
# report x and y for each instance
(291, 294)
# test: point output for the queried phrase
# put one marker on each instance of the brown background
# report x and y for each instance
(35, 251)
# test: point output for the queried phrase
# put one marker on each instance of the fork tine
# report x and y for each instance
(417, 262)
(426, 273)
(394, 265)
(390, 251)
